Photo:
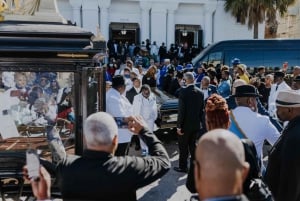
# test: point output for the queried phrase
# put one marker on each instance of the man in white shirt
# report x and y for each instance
(279, 85)
(144, 104)
(118, 106)
(247, 123)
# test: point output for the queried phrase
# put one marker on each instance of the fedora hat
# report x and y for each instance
(297, 78)
(279, 74)
(288, 98)
(246, 91)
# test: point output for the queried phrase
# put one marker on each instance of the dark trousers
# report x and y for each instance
(187, 145)
(122, 149)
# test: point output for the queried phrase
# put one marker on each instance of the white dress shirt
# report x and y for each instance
(147, 108)
(118, 106)
(256, 127)
(275, 89)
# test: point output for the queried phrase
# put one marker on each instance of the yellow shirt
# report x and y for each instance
(245, 78)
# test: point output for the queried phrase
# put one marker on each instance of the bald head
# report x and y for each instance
(237, 83)
(222, 167)
(100, 129)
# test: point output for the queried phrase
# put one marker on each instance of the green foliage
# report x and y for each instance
(254, 12)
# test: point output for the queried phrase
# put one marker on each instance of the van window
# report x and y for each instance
(250, 57)
(215, 58)
(276, 58)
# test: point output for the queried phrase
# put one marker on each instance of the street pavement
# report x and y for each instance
(171, 187)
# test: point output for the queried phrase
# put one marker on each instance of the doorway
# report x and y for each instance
(124, 32)
(190, 34)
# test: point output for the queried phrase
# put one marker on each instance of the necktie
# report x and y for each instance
(276, 87)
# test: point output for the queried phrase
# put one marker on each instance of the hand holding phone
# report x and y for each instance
(33, 164)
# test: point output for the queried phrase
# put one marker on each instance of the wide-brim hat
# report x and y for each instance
(297, 79)
(279, 74)
(246, 91)
(189, 67)
(288, 98)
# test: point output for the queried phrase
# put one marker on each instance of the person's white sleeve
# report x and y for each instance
(271, 132)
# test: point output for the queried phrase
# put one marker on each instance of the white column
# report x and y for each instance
(104, 26)
(104, 18)
(90, 15)
(145, 24)
(208, 26)
(76, 5)
(145, 20)
(158, 25)
(171, 29)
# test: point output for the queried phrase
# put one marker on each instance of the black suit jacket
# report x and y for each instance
(282, 175)
(100, 176)
(191, 105)
(130, 94)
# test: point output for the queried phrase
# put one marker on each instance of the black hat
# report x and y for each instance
(297, 78)
(246, 91)
(279, 74)
(118, 81)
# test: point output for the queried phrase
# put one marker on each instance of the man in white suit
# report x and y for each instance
(279, 85)
(144, 104)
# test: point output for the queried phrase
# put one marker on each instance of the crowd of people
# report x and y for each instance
(218, 107)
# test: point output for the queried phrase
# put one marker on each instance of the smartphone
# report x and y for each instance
(33, 164)
(121, 122)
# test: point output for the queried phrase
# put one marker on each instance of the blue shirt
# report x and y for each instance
(224, 88)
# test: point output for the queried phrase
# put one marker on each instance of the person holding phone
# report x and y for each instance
(100, 175)
(41, 188)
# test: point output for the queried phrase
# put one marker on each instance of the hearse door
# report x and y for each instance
(93, 91)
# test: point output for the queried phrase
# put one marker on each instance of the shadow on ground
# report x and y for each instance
(172, 185)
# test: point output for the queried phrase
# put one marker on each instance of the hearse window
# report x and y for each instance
(31, 102)
(215, 58)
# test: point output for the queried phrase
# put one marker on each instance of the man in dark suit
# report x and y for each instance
(220, 167)
(99, 175)
(282, 175)
(135, 90)
(190, 111)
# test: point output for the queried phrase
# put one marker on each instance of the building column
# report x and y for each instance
(76, 5)
(104, 18)
(145, 20)
(90, 15)
(208, 26)
(171, 24)
(158, 33)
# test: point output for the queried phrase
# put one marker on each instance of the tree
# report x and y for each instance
(254, 12)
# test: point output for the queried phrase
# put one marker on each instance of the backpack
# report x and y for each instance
(254, 187)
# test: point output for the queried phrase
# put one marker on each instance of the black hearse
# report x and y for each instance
(270, 53)
(43, 63)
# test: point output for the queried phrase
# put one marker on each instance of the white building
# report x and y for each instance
(203, 21)
(289, 25)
